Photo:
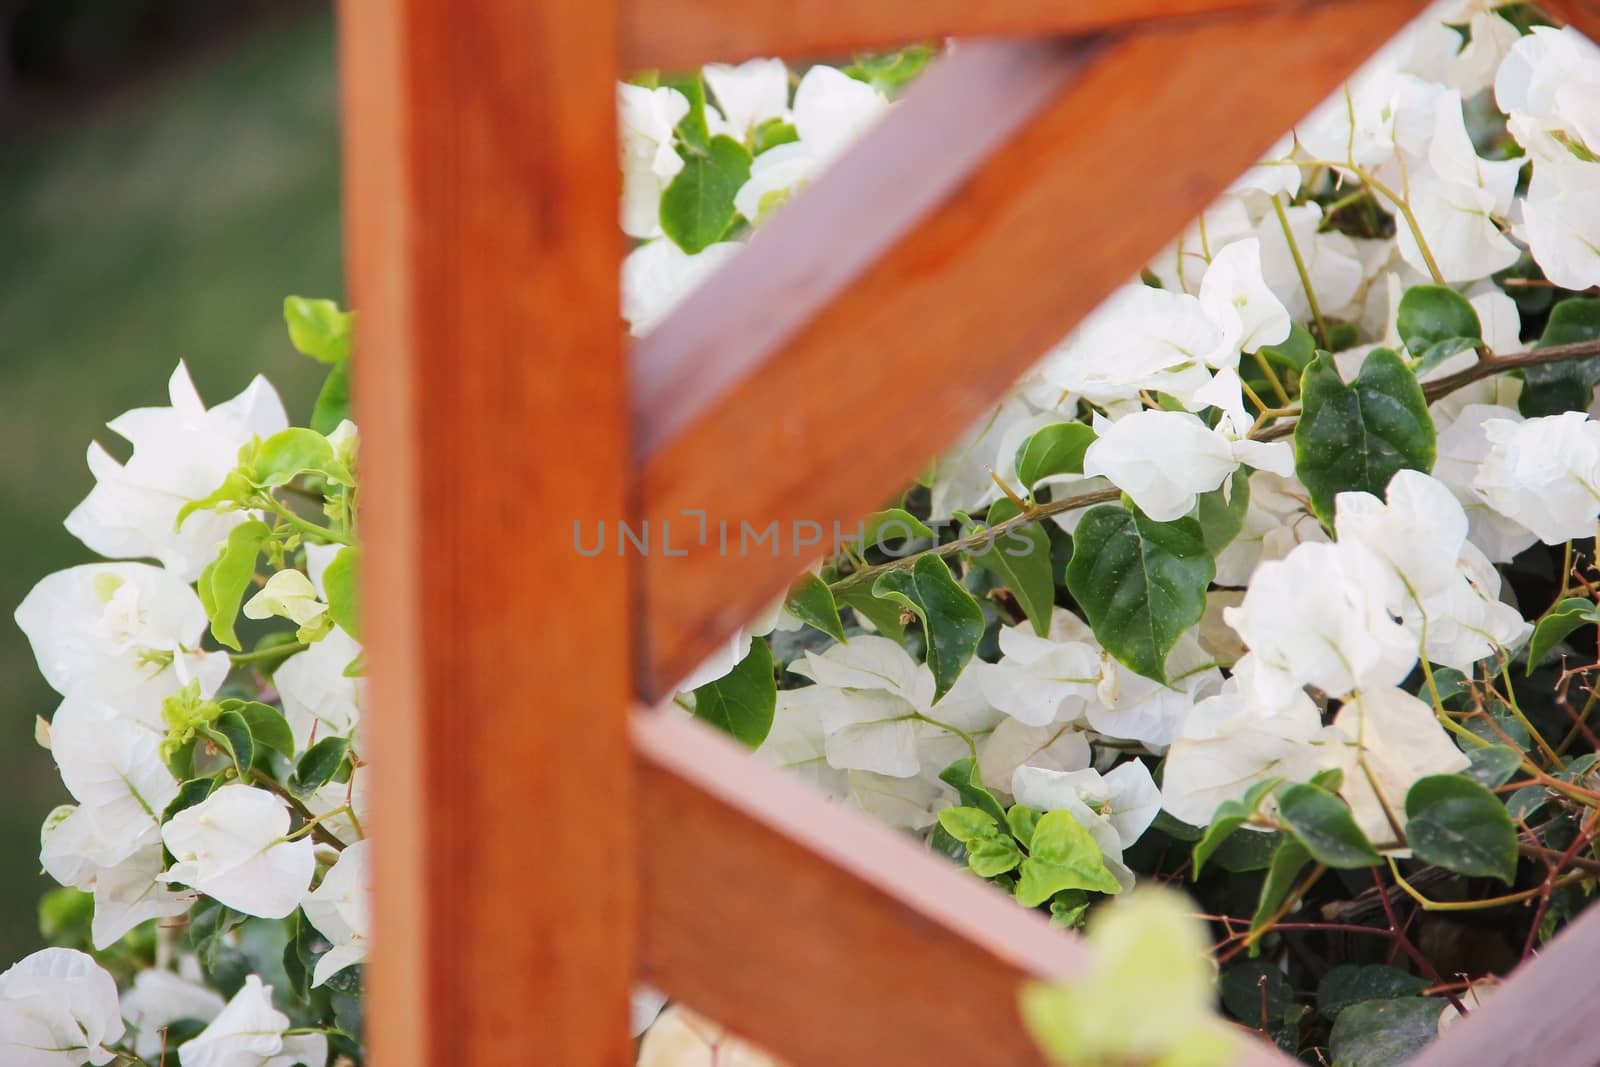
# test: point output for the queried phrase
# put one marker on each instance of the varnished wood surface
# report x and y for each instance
(481, 192)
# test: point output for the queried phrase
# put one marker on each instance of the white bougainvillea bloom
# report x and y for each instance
(1331, 259)
(1277, 519)
(1012, 744)
(1132, 707)
(58, 1008)
(1457, 223)
(1462, 448)
(1139, 338)
(1043, 680)
(231, 847)
(339, 909)
(1467, 622)
(1165, 459)
(249, 1032)
(1236, 296)
(287, 594)
(1544, 473)
(649, 160)
(1116, 808)
(1418, 530)
(180, 453)
(680, 1038)
(1547, 86)
(747, 95)
(734, 649)
(126, 633)
(113, 768)
(1391, 740)
(319, 698)
(658, 275)
(1561, 220)
(1317, 617)
(160, 998)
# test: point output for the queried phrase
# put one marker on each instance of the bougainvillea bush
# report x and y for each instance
(1274, 582)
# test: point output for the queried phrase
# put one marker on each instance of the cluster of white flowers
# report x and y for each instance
(164, 818)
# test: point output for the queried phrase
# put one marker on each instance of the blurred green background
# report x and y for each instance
(167, 176)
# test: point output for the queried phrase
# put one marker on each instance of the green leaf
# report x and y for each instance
(333, 401)
(1456, 823)
(1288, 861)
(1296, 352)
(1256, 993)
(1022, 820)
(228, 578)
(1493, 766)
(317, 328)
(962, 775)
(1556, 387)
(811, 601)
(339, 582)
(952, 622)
(1141, 583)
(968, 825)
(267, 725)
(771, 134)
(697, 207)
(296, 451)
(1560, 621)
(232, 734)
(692, 128)
(884, 616)
(1056, 449)
(1222, 519)
(66, 916)
(1324, 825)
(1382, 1033)
(1021, 561)
(234, 490)
(1435, 322)
(190, 793)
(318, 766)
(891, 524)
(743, 701)
(890, 72)
(1230, 816)
(1062, 855)
(993, 855)
(1355, 437)
(1069, 907)
(1349, 983)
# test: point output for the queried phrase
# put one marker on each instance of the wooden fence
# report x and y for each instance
(541, 841)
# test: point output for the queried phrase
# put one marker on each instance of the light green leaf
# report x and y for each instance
(890, 72)
(1456, 823)
(952, 622)
(295, 451)
(228, 578)
(993, 856)
(1355, 437)
(1141, 583)
(1062, 855)
(697, 207)
(1056, 449)
(317, 328)
(962, 776)
(1435, 322)
(333, 402)
(1222, 519)
(1022, 821)
(1021, 560)
(1323, 824)
(229, 496)
(742, 702)
(811, 601)
(968, 825)
(692, 128)
(771, 134)
(339, 582)
(1560, 621)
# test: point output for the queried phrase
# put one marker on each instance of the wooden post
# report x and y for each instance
(481, 194)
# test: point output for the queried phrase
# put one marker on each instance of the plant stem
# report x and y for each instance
(261, 654)
(1300, 268)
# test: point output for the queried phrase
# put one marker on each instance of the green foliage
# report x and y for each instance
(1354, 437)
(697, 207)
(317, 328)
(1295, 352)
(1556, 387)
(951, 620)
(333, 401)
(892, 72)
(1062, 855)
(1435, 323)
(811, 601)
(225, 581)
(1288, 860)
(1021, 560)
(319, 766)
(1229, 817)
(1559, 622)
(962, 776)
(1221, 512)
(1056, 449)
(1456, 823)
(742, 702)
(1382, 1033)
(1350, 983)
(1323, 824)
(339, 582)
(1141, 583)
(268, 728)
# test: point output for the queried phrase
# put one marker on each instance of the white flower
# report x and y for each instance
(231, 847)
(1391, 740)
(1165, 459)
(1139, 338)
(1043, 680)
(1135, 708)
(658, 275)
(649, 162)
(1467, 621)
(1544, 473)
(734, 649)
(126, 633)
(289, 594)
(1115, 808)
(339, 909)
(1418, 532)
(1236, 296)
(58, 1008)
(1331, 260)
(1463, 448)
(180, 453)
(1317, 617)
(1548, 85)
(681, 1038)
(1561, 221)
(319, 699)
(160, 998)
(249, 1032)
(113, 768)
(747, 95)
(1013, 744)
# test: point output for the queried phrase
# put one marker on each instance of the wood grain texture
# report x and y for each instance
(680, 34)
(482, 189)
(1584, 15)
(1543, 1015)
(906, 334)
(818, 934)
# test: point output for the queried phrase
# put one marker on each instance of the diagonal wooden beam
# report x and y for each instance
(818, 934)
(680, 34)
(1584, 15)
(482, 187)
(899, 333)
(1543, 1013)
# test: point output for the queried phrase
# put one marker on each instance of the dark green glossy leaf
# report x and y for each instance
(811, 601)
(1350, 983)
(882, 614)
(1229, 817)
(1384, 1033)
(1221, 512)
(1324, 825)
(1020, 559)
(1296, 352)
(1493, 766)
(232, 734)
(1435, 322)
(1283, 873)
(962, 775)
(952, 621)
(1056, 449)
(1560, 621)
(268, 727)
(742, 702)
(1556, 387)
(318, 766)
(1456, 823)
(697, 206)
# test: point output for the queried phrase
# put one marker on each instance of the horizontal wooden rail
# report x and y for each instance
(1584, 15)
(679, 34)
(816, 933)
(905, 334)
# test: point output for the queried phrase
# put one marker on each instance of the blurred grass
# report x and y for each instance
(165, 224)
